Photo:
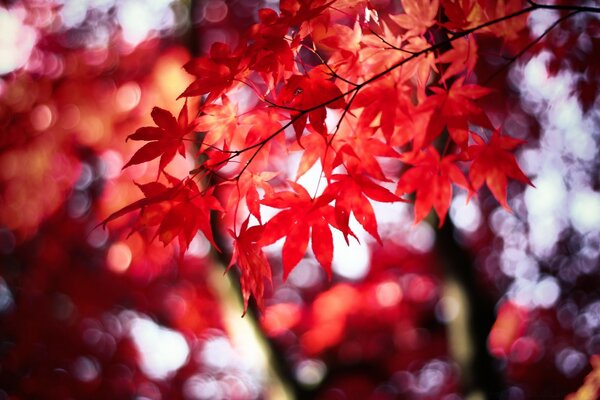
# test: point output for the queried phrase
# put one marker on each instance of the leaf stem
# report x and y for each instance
(413, 55)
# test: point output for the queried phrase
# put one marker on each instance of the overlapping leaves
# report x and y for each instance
(354, 92)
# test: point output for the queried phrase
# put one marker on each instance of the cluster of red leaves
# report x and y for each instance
(350, 85)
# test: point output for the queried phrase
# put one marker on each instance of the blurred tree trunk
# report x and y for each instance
(468, 331)
(245, 333)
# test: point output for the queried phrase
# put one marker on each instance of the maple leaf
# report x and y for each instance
(154, 193)
(297, 12)
(462, 58)
(462, 14)
(300, 63)
(310, 95)
(261, 124)
(340, 38)
(189, 214)
(271, 54)
(382, 103)
(180, 211)
(253, 265)
(212, 159)
(458, 99)
(259, 128)
(374, 55)
(456, 109)
(511, 29)
(314, 147)
(304, 218)
(165, 139)
(493, 163)
(431, 177)
(418, 16)
(350, 193)
(219, 121)
(412, 124)
(214, 73)
(419, 69)
(246, 186)
(359, 153)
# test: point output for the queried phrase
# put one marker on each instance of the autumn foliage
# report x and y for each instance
(385, 101)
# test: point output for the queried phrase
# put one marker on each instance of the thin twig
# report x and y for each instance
(514, 58)
(357, 87)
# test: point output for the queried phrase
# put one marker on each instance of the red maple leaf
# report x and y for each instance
(214, 73)
(462, 14)
(247, 186)
(350, 193)
(304, 218)
(189, 213)
(180, 211)
(155, 193)
(462, 58)
(297, 12)
(418, 15)
(359, 153)
(493, 163)
(271, 54)
(383, 102)
(165, 138)
(455, 108)
(431, 177)
(309, 95)
(253, 265)
(315, 147)
(219, 121)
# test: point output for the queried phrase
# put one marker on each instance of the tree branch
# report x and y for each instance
(414, 55)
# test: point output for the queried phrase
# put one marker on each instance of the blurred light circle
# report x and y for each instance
(432, 376)
(6, 298)
(162, 350)
(199, 246)
(79, 204)
(546, 292)
(447, 309)
(85, 369)
(53, 65)
(215, 11)
(350, 261)
(86, 177)
(421, 238)
(306, 275)
(92, 130)
(218, 353)
(201, 387)
(17, 42)
(112, 163)
(523, 350)
(465, 214)
(128, 96)
(388, 294)
(570, 361)
(41, 117)
(419, 288)
(310, 372)
(584, 211)
(69, 116)
(119, 257)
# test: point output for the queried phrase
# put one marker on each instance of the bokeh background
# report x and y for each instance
(493, 304)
